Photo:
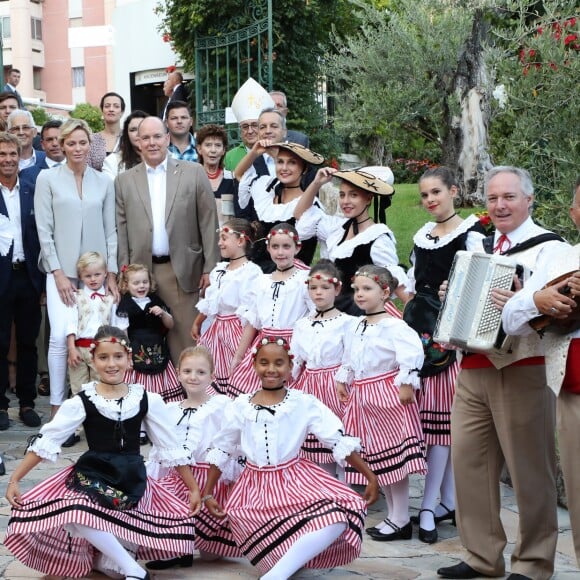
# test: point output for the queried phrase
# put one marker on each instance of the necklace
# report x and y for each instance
(284, 269)
(375, 313)
(447, 219)
(282, 386)
(363, 221)
(291, 187)
(322, 312)
(214, 175)
(238, 258)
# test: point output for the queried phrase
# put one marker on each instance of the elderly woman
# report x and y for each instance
(275, 198)
(129, 153)
(107, 141)
(75, 213)
(212, 144)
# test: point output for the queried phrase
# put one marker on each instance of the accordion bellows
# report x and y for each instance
(468, 318)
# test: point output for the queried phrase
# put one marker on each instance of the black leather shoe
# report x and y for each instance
(450, 515)
(514, 576)
(461, 570)
(2, 467)
(182, 562)
(427, 536)
(4, 420)
(71, 440)
(404, 533)
(29, 417)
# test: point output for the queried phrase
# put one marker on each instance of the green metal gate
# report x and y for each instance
(223, 62)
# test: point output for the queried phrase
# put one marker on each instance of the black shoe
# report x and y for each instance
(514, 576)
(2, 467)
(404, 533)
(71, 440)
(427, 536)
(461, 570)
(450, 515)
(146, 577)
(29, 417)
(4, 421)
(44, 387)
(181, 562)
(375, 529)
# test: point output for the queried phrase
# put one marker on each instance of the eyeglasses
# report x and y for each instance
(18, 128)
(245, 127)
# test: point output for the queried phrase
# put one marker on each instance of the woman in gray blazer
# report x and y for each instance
(75, 213)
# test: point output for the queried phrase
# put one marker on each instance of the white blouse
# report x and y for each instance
(273, 435)
(230, 291)
(328, 229)
(70, 416)
(375, 349)
(196, 428)
(318, 343)
(279, 304)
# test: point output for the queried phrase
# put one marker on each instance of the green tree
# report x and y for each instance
(91, 114)
(300, 38)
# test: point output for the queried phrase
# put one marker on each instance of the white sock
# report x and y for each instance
(447, 490)
(437, 460)
(303, 550)
(109, 545)
(400, 494)
(382, 526)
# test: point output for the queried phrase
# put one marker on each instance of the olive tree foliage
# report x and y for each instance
(536, 113)
(400, 79)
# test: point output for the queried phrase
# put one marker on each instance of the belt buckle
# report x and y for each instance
(18, 265)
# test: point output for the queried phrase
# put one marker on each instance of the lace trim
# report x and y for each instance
(420, 238)
(344, 375)
(285, 406)
(109, 407)
(344, 447)
(408, 377)
(347, 247)
(46, 448)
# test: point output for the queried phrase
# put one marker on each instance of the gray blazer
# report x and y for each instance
(69, 226)
(190, 220)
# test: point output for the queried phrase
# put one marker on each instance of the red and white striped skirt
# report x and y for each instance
(271, 507)
(435, 398)
(165, 384)
(160, 526)
(321, 384)
(212, 535)
(222, 339)
(390, 433)
(244, 379)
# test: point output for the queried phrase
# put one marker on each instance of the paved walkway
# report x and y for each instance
(404, 560)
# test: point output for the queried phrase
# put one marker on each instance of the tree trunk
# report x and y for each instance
(472, 88)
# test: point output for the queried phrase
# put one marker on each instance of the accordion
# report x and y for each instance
(468, 318)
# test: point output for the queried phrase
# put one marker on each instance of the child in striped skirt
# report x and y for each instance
(318, 346)
(380, 370)
(280, 299)
(105, 501)
(230, 293)
(285, 512)
(197, 420)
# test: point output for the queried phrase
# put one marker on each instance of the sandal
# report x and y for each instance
(44, 386)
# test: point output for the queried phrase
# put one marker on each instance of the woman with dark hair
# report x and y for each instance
(129, 153)
(106, 141)
(212, 144)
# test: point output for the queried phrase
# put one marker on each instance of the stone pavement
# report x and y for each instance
(402, 560)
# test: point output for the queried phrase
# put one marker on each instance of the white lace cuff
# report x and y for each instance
(344, 375)
(46, 448)
(171, 457)
(231, 470)
(344, 447)
(408, 377)
(218, 458)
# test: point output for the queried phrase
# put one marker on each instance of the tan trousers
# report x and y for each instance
(83, 373)
(505, 415)
(182, 307)
(568, 411)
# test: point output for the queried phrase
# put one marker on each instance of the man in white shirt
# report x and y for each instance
(21, 284)
(503, 412)
(167, 220)
(562, 347)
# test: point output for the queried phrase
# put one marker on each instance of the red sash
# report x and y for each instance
(571, 382)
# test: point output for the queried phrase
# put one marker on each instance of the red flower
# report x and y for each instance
(570, 38)
(171, 68)
(531, 53)
(570, 22)
(115, 502)
(484, 220)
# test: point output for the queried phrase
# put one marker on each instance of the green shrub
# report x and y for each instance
(91, 114)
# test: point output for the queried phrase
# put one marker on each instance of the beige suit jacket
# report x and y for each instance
(190, 219)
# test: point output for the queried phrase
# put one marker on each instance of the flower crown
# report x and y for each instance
(332, 279)
(280, 231)
(227, 230)
(112, 339)
(272, 340)
(372, 277)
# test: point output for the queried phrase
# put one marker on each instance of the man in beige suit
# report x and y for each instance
(167, 220)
